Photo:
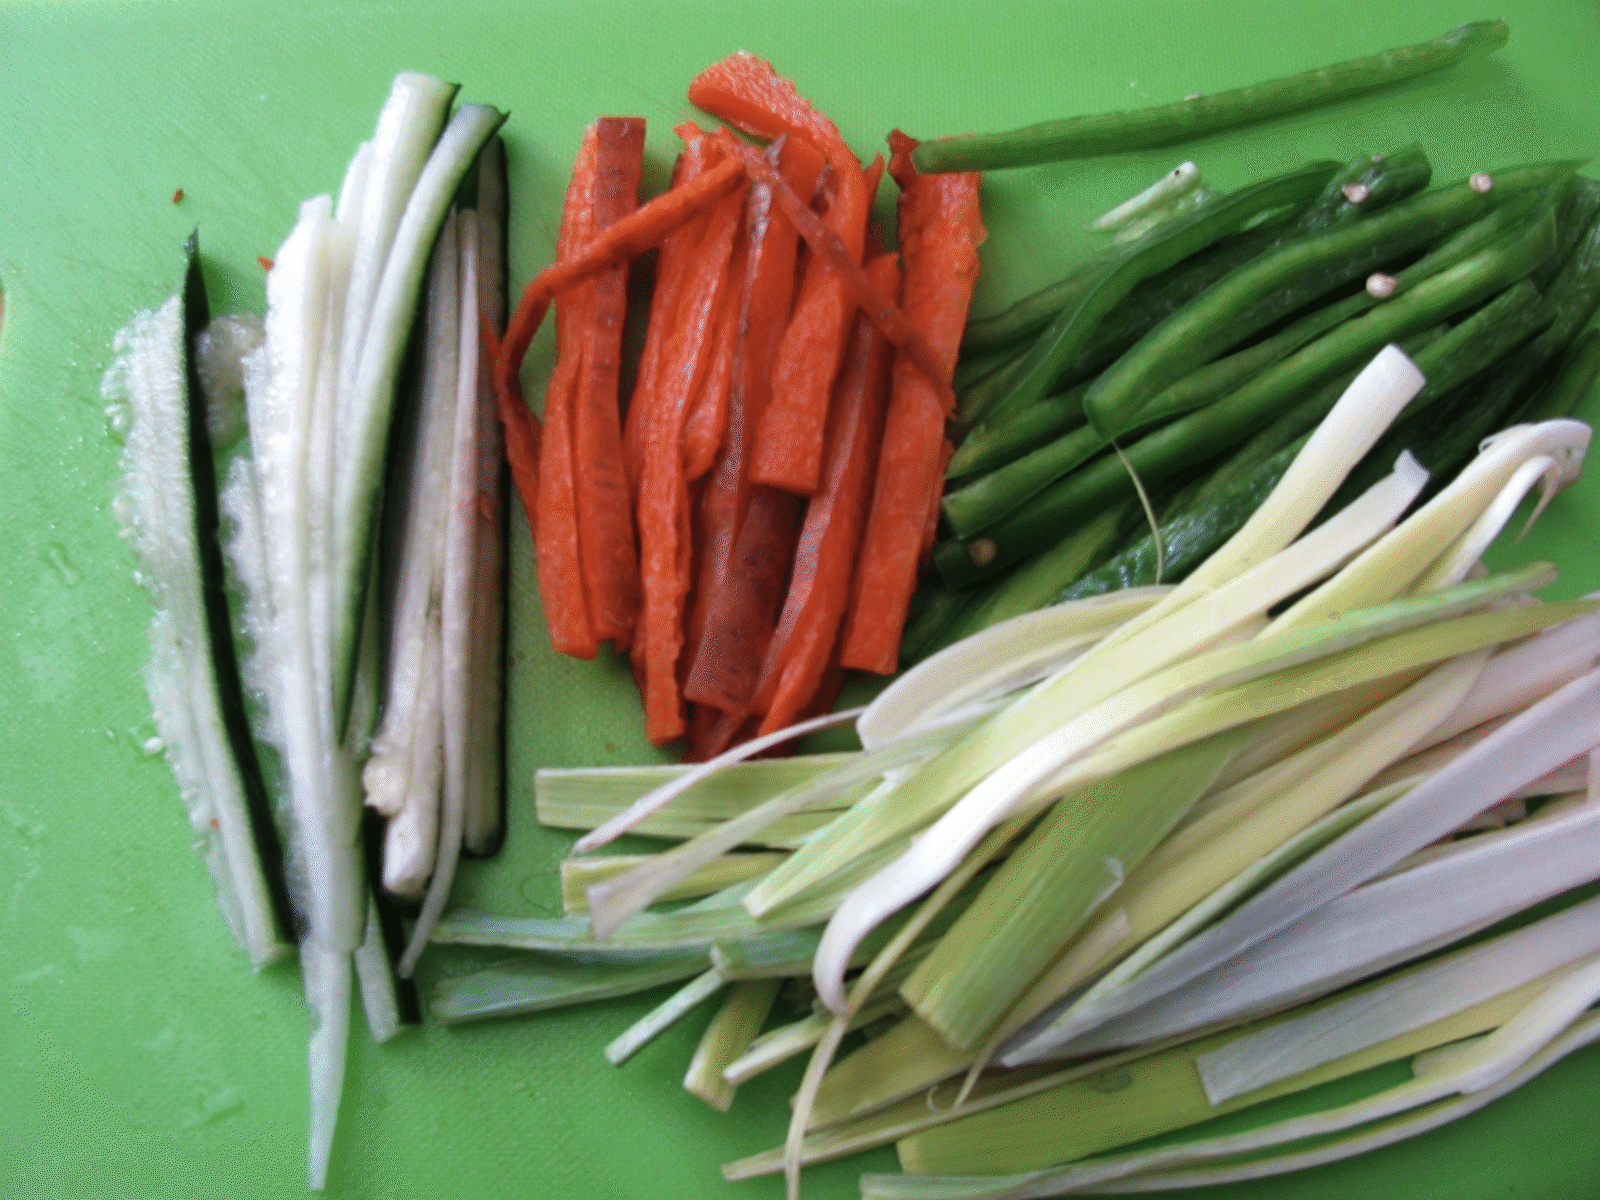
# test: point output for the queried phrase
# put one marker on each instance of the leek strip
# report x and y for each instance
(781, 1044)
(537, 982)
(1163, 1091)
(727, 1037)
(1551, 733)
(1356, 935)
(1399, 561)
(1248, 680)
(1078, 699)
(1425, 1102)
(1385, 1133)
(614, 900)
(643, 1031)
(358, 480)
(378, 998)
(578, 873)
(570, 797)
(1464, 553)
(996, 660)
(1075, 969)
(667, 792)
(1043, 892)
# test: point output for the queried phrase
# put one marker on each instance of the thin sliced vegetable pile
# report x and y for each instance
(1160, 836)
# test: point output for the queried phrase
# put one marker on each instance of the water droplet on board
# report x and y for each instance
(55, 554)
(119, 420)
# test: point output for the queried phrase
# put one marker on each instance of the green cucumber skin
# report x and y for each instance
(219, 622)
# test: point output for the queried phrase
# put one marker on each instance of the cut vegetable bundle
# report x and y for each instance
(1105, 830)
(784, 443)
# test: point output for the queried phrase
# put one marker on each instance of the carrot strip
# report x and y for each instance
(700, 154)
(663, 509)
(702, 435)
(562, 586)
(522, 433)
(824, 561)
(940, 231)
(741, 576)
(605, 514)
(904, 333)
(749, 93)
(630, 237)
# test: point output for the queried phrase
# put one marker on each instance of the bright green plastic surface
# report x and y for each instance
(138, 1055)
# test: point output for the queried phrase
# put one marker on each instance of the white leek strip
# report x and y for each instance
(359, 480)
(1399, 561)
(1352, 427)
(638, 1035)
(327, 978)
(157, 508)
(996, 660)
(1520, 675)
(660, 797)
(1407, 1001)
(1022, 782)
(1418, 1106)
(1553, 732)
(782, 1044)
(612, 902)
(728, 1036)
(1542, 470)
(577, 874)
(1180, 182)
(1358, 935)
(404, 775)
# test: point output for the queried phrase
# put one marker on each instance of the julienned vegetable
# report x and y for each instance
(1196, 116)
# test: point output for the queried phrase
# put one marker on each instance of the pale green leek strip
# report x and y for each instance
(1162, 1091)
(643, 1031)
(537, 982)
(578, 873)
(585, 797)
(1353, 426)
(1038, 898)
(1076, 691)
(787, 954)
(1247, 682)
(1074, 970)
(781, 1044)
(1550, 734)
(1425, 1102)
(1399, 561)
(718, 917)
(654, 801)
(1368, 1137)
(1542, 470)
(985, 662)
(727, 1037)
(616, 899)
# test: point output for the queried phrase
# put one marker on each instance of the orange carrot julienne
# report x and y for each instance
(940, 231)
(605, 512)
(905, 335)
(563, 588)
(702, 434)
(663, 508)
(746, 529)
(630, 237)
(824, 561)
(700, 154)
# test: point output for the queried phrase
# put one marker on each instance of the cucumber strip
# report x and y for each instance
(168, 511)
(358, 484)
(483, 818)
(404, 775)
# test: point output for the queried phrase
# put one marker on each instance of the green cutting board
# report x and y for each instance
(138, 1055)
